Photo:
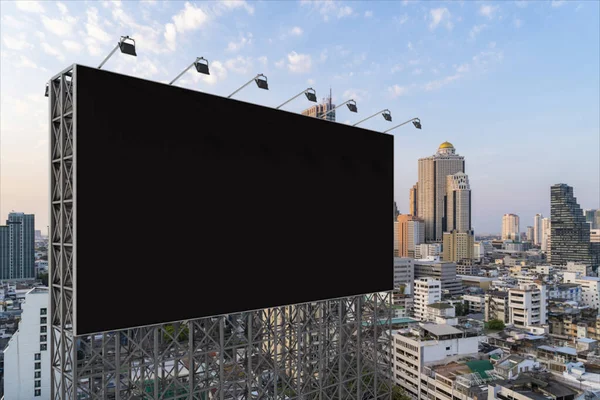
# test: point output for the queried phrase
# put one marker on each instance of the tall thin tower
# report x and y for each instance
(433, 171)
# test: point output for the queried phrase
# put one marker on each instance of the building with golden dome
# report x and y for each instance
(431, 189)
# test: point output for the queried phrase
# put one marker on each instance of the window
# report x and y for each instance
(447, 348)
(38, 365)
(37, 356)
(43, 329)
(43, 347)
(38, 392)
(38, 374)
(43, 320)
(42, 338)
(43, 311)
(38, 384)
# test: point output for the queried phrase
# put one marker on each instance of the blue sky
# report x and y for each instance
(514, 85)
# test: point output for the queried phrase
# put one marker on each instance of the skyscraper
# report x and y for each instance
(546, 235)
(17, 246)
(537, 229)
(529, 235)
(570, 231)
(413, 197)
(433, 171)
(592, 217)
(411, 233)
(318, 110)
(457, 203)
(510, 227)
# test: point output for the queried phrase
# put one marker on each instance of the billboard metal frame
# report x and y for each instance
(330, 349)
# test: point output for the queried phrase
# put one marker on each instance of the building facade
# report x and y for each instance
(537, 229)
(546, 235)
(413, 198)
(458, 246)
(433, 172)
(529, 235)
(427, 291)
(318, 110)
(27, 356)
(404, 274)
(411, 233)
(510, 227)
(528, 305)
(570, 231)
(17, 247)
(445, 272)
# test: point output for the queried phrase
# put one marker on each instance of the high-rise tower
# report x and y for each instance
(570, 231)
(433, 171)
(318, 110)
(17, 247)
(510, 227)
(413, 199)
(537, 229)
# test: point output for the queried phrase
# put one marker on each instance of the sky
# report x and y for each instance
(514, 85)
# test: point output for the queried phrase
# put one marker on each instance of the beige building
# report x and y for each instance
(510, 227)
(546, 240)
(410, 233)
(433, 171)
(458, 246)
(458, 203)
(318, 110)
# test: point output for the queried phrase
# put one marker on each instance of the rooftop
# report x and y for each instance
(439, 330)
(440, 306)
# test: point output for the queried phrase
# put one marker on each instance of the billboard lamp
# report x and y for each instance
(387, 115)
(351, 106)
(310, 93)
(201, 65)
(261, 83)
(416, 122)
(127, 46)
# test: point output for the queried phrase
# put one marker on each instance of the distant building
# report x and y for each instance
(595, 236)
(537, 229)
(318, 110)
(27, 356)
(404, 274)
(546, 235)
(458, 246)
(570, 231)
(17, 247)
(528, 305)
(445, 272)
(433, 172)
(496, 306)
(413, 200)
(425, 250)
(510, 227)
(592, 217)
(427, 291)
(590, 288)
(529, 235)
(411, 233)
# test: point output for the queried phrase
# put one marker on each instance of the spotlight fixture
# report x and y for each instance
(415, 121)
(261, 83)
(201, 65)
(387, 115)
(351, 106)
(126, 45)
(310, 93)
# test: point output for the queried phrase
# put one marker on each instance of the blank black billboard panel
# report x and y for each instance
(191, 205)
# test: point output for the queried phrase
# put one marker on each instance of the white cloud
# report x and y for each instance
(401, 19)
(329, 8)
(488, 10)
(16, 43)
(440, 16)
(579, 7)
(476, 30)
(171, 36)
(464, 68)
(296, 31)
(26, 63)
(40, 35)
(93, 28)
(236, 46)
(30, 6)
(62, 8)
(72, 46)
(239, 65)
(417, 71)
(145, 68)
(368, 14)
(557, 3)
(410, 46)
(280, 63)
(517, 23)
(435, 71)
(415, 62)
(263, 60)
(310, 81)
(52, 51)
(299, 63)
(60, 27)
(229, 5)
(521, 3)
(492, 45)
(9, 20)
(434, 85)
(323, 56)
(485, 57)
(397, 68)
(356, 94)
(397, 91)
(191, 17)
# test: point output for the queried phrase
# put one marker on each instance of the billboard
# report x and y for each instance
(190, 205)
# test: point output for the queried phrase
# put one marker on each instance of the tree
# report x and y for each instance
(44, 278)
(399, 394)
(495, 324)
(461, 309)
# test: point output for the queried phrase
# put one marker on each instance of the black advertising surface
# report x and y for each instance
(191, 205)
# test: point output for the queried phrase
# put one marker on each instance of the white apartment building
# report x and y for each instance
(478, 251)
(417, 352)
(528, 305)
(427, 291)
(27, 356)
(582, 269)
(441, 313)
(475, 303)
(537, 229)
(404, 274)
(425, 250)
(595, 235)
(590, 287)
(565, 291)
(546, 239)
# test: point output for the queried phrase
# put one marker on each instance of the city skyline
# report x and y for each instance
(483, 76)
